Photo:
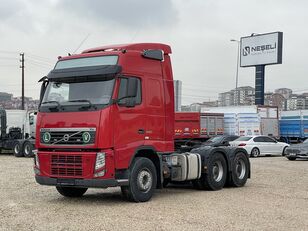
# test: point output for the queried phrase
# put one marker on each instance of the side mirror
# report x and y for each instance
(225, 143)
(44, 82)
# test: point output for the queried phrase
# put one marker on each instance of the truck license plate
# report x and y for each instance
(66, 182)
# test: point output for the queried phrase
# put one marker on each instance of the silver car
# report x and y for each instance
(297, 151)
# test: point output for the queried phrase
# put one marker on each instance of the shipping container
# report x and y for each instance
(293, 125)
(248, 120)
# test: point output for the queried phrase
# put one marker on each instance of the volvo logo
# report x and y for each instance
(66, 137)
(46, 137)
(86, 137)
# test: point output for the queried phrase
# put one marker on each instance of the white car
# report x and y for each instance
(260, 145)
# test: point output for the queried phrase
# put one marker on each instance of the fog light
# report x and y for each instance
(99, 174)
(36, 171)
(100, 161)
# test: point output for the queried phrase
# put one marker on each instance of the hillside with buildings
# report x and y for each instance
(283, 98)
(8, 101)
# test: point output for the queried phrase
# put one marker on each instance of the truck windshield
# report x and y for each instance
(66, 93)
(87, 62)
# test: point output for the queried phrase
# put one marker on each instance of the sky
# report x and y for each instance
(198, 31)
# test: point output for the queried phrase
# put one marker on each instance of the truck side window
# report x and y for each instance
(123, 91)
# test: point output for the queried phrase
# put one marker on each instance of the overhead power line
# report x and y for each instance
(49, 60)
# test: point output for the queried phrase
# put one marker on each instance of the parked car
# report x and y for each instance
(260, 145)
(220, 140)
(297, 151)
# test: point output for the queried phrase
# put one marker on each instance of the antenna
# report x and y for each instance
(81, 43)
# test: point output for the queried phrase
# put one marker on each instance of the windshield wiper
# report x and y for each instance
(52, 101)
(82, 101)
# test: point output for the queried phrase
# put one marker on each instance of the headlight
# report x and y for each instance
(100, 161)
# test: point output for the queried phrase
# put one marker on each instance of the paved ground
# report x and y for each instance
(275, 198)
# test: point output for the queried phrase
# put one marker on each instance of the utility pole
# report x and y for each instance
(22, 66)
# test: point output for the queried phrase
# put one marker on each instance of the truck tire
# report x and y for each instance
(27, 149)
(71, 191)
(142, 181)
(216, 175)
(240, 170)
(17, 149)
(255, 152)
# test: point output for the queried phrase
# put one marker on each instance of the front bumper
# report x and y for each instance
(85, 183)
(297, 155)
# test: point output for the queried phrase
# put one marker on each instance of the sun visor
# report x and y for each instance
(103, 72)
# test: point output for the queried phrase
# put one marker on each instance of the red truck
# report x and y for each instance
(106, 119)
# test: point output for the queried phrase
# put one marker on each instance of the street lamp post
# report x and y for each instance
(237, 65)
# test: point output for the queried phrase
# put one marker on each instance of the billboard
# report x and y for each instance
(261, 49)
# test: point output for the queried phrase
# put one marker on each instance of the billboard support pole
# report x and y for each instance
(259, 87)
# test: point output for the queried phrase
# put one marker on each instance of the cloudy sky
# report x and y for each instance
(199, 32)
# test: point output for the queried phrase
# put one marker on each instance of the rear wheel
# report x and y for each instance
(255, 152)
(17, 149)
(71, 191)
(142, 181)
(240, 170)
(216, 175)
(27, 149)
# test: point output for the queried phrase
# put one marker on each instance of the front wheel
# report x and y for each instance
(291, 158)
(284, 151)
(71, 191)
(240, 170)
(216, 175)
(142, 181)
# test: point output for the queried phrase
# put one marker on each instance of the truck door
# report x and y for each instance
(155, 116)
(129, 123)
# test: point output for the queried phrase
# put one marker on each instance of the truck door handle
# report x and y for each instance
(141, 131)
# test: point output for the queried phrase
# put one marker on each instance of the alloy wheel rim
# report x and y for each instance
(217, 171)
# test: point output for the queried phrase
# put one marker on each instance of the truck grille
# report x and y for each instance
(66, 165)
(76, 136)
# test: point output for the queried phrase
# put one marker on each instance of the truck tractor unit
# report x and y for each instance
(106, 118)
(16, 131)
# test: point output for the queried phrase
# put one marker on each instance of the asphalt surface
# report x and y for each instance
(275, 198)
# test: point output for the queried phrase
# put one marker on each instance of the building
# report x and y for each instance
(285, 92)
(5, 96)
(7, 101)
(237, 97)
(177, 95)
(226, 98)
(297, 102)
